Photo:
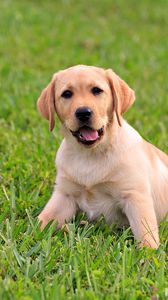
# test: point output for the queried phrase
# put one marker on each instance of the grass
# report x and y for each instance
(82, 261)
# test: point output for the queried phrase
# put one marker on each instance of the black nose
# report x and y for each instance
(83, 114)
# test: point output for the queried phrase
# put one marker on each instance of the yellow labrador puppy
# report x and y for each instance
(104, 167)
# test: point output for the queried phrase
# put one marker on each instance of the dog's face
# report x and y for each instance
(84, 99)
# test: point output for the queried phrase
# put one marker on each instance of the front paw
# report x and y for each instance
(44, 218)
(150, 243)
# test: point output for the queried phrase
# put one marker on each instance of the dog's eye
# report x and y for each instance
(96, 90)
(67, 94)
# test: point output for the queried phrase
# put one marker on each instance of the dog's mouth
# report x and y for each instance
(87, 135)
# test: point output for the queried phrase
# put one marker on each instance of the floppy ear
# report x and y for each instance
(46, 103)
(123, 95)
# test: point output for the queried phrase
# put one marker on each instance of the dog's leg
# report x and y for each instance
(141, 215)
(61, 207)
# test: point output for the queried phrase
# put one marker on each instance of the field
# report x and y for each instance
(82, 261)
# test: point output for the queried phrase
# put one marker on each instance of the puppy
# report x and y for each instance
(104, 167)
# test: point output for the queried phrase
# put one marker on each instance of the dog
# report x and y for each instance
(104, 166)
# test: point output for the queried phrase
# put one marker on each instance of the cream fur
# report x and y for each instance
(123, 178)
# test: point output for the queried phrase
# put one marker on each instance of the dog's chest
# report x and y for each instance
(84, 169)
(92, 182)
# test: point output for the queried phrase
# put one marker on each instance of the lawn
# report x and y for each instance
(37, 38)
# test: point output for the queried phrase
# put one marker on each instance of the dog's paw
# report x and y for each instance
(43, 220)
(150, 243)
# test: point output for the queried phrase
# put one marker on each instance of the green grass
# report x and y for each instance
(86, 261)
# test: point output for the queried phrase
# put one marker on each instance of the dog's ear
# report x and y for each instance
(46, 103)
(123, 95)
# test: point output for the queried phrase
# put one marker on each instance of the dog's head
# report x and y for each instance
(85, 99)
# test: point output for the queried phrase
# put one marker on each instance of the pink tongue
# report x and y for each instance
(89, 134)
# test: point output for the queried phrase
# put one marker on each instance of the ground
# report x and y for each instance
(82, 261)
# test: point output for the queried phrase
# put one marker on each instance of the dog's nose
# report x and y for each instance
(83, 114)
